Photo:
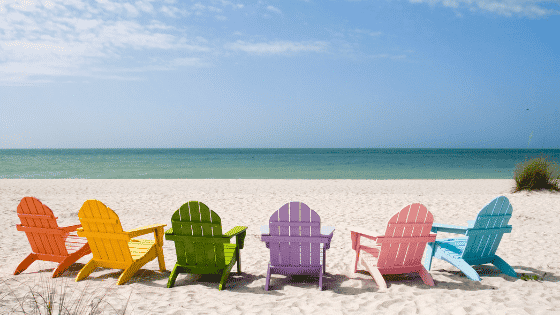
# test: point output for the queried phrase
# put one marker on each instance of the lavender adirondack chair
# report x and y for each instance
(296, 243)
(400, 249)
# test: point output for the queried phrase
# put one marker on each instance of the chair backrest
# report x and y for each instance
(295, 230)
(407, 234)
(487, 231)
(200, 229)
(103, 230)
(40, 226)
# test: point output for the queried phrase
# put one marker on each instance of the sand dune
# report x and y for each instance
(531, 248)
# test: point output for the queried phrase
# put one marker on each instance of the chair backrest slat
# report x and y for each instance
(104, 232)
(488, 229)
(295, 236)
(407, 234)
(200, 229)
(39, 218)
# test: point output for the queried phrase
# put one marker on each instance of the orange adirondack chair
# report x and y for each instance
(114, 248)
(48, 241)
(400, 250)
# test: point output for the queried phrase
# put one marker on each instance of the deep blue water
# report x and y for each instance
(267, 163)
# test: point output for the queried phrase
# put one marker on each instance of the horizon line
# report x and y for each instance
(278, 148)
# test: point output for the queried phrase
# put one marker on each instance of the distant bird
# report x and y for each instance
(527, 109)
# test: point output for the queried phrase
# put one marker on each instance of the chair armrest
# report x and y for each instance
(71, 228)
(356, 233)
(239, 232)
(145, 230)
(329, 236)
(438, 227)
(170, 236)
(235, 231)
(364, 232)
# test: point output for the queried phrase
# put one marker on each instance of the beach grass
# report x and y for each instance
(527, 277)
(537, 174)
(52, 297)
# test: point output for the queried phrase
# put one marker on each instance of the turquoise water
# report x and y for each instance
(266, 163)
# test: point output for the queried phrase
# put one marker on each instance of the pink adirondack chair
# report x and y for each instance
(400, 250)
(294, 238)
(48, 241)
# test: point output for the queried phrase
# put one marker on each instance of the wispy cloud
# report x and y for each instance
(277, 47)
(43, 41)
(273, 9)
(528, 8)
(71, 38)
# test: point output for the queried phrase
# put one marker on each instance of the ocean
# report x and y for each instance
(266, 163)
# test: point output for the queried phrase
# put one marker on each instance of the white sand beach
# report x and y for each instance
(532, 247)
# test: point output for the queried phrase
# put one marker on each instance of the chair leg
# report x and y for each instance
(466, 268)
(64, 265)
(173, 276)
(129, 272)
(429, 254)
(86, 270)
(25, 263)
(324, 260)
(135, 266)
(320, 279)
(357, 257)
(504, 267)
(161, 260)
(377, 276)
(426, 276)
(238, 254)
(68, 261)
(266, 285)
(225, 275)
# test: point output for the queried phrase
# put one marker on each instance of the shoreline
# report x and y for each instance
(530, 248)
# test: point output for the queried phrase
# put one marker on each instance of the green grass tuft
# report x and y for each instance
(537, 174)
(527, 277)
(46, 298)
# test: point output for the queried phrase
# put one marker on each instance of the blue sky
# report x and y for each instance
(280, 74)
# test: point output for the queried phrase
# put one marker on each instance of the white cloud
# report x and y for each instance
(278, 47)
(132, 34)
(145, 6)
(131, 9)
(81, 25)
(235, 6)
(24, 5)
(169, 11)
(72, 38)
(528, 8)
(110, 6)
(273, 9)
(188, 61)
(214, 9)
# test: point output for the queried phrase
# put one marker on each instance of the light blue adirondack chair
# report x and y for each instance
(483, 236)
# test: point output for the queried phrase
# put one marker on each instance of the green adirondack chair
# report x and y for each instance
(200, 245)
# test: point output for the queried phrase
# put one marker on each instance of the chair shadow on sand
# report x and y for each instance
(337, 283)
(541, 275)
(144, 276)
(461, 282)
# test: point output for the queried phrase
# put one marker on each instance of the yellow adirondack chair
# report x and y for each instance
(114, 248)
